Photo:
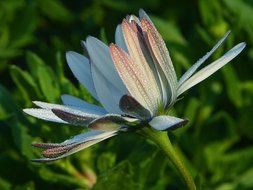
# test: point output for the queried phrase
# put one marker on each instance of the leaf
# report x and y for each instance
(48, 84)
(4, 185)
(120, 176)
(55, 10)
(106, 161)
(25, 83)
(233, 86)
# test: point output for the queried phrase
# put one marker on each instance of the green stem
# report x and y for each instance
(163, 142)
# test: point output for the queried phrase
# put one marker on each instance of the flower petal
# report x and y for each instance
(76, 102)
(92, 110)
(161, 56)
(109, 122)
(162, 123)
(211, 68)
(133, 108)
(71, 114)
(43, 114)
(140, 54)
(100, 57)
(119, 38)
(85, 51)
(80, 67)
(73, 118)
(60, 150)
(196, 65)
(144, 15)
(131, 76)
(108, 94)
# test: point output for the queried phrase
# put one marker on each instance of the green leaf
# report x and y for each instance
(55, 10)
(33, 62)
(25, 84)
(106, 161)
(233, 85)
(4, 185)
(48, 84)
(120, 176)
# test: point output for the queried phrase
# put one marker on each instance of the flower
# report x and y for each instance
(132, 79)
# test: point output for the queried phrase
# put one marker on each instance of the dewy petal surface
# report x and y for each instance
(211, 68)
(162, 123)
(82, 110)
(70, 114)
(60, 150)
(140, 54)
(80, 67)
(43, 114)
(161, 55)
(131, 76)
(196, 65)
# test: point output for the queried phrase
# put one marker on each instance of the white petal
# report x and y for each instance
(70, 109)
(210, 69)
(143, 14)
(43, 114)
(133, 18)
(100, 57)
(76, 102)
(88, 136)
(161, 58)
(196, 65)
(132, 76)
(80, 67)
(79, 143)
(162, 123)
(119, 38)
(108, 95)
(142, 59)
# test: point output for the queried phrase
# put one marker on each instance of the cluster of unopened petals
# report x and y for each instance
(132, 79)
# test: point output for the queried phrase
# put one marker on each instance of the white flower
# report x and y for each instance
(132, 80)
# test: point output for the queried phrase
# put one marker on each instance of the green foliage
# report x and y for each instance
(216, 144)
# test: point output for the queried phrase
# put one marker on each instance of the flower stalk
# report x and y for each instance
(162, 140)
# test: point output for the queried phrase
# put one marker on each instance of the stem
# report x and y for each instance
(162, 140)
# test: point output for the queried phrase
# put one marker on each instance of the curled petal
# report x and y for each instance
(163, 123)
(161, 55)
(56, 151)
(74, 119)
(111, 122)
(133, 108)
(133, 77)
(139, 52)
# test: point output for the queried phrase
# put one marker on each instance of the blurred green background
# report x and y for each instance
(216, 144)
